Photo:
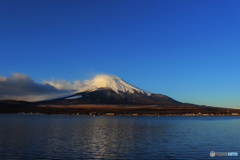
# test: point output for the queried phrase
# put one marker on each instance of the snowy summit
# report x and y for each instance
(110, 82)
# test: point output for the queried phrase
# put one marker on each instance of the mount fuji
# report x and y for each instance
(110, 94)
(110, 89)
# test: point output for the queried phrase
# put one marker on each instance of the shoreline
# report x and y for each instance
(113, 109)
(134, 115)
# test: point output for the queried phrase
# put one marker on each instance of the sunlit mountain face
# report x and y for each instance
(109, 89)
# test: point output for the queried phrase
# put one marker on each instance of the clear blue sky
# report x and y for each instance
(186, 49)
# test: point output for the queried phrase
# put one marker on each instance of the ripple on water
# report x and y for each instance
(116, 137)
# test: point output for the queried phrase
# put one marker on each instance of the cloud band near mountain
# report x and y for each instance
(21, 87)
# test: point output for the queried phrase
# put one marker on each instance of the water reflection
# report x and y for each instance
(113, 137)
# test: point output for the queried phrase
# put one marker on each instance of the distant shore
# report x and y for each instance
(134, 114)
(127, 110)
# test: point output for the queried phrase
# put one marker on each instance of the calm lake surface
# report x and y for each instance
(117, 137)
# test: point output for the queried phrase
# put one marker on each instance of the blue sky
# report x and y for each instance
(188, 49)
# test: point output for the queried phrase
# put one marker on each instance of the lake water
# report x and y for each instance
(117, 137)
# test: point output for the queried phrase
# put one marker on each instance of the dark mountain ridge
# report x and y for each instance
(108, 96)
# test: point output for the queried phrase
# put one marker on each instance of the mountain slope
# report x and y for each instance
(111, 82)
(108, 96)
(107, 89)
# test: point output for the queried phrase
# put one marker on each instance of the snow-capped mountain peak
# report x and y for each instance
(111, 82)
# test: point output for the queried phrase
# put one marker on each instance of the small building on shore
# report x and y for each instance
(109, 114)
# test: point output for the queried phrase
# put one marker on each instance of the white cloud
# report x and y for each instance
(64, 84)
(21, 87)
